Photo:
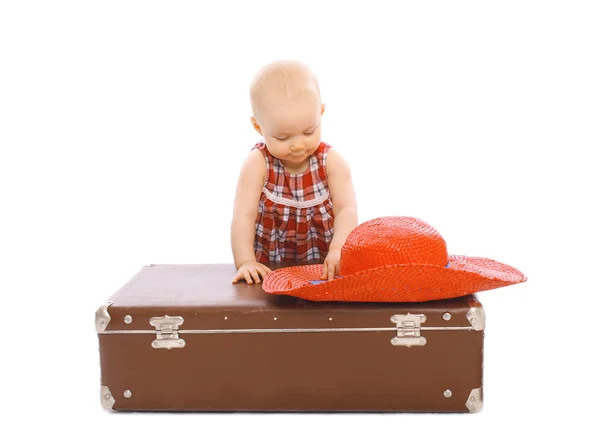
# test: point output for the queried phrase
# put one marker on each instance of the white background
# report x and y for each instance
(123, 125)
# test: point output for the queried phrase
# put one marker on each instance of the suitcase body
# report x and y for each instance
(183, 338)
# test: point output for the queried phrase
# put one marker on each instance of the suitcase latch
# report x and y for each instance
(167, 332)
(409, 330)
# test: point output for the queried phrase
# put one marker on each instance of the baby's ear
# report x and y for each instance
(255, 125)
(322, 108)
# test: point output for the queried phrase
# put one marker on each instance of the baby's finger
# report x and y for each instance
(263, 272)
(236, 278)
(324, 275)
(255, 275)
(247, 277)
(331, 272)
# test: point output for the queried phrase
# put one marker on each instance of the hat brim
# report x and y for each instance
(464, 275)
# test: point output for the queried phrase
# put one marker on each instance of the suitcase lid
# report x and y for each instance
(168, 300)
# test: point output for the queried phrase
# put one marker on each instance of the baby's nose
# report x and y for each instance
(298, 145)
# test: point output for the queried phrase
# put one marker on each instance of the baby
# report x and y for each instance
(292, 185)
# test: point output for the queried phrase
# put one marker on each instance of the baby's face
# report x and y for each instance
(292, 127)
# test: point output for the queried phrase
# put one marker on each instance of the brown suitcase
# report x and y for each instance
(182, 337)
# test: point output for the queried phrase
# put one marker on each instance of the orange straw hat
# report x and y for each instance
(394, 259)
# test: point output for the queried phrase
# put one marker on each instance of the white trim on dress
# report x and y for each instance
(294, 203)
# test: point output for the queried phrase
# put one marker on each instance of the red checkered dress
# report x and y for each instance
(295, 213)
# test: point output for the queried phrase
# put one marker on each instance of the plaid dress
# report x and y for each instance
(295, 213)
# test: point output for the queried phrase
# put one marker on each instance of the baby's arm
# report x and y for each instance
(345, 214)
(245, 208)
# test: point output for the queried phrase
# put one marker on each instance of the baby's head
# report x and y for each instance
(287, 109)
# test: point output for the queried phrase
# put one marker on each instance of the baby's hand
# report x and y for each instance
(331, 266)
(251, 270)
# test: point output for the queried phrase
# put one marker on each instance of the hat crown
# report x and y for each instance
(392, 240)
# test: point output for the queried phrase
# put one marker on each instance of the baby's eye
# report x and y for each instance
(282, 139)
(310, 133)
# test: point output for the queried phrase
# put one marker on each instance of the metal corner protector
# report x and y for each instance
(476, 317)
(475, 400)
(106, 398)
(102, 317)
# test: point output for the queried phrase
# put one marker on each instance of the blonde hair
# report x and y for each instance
(287, 77)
